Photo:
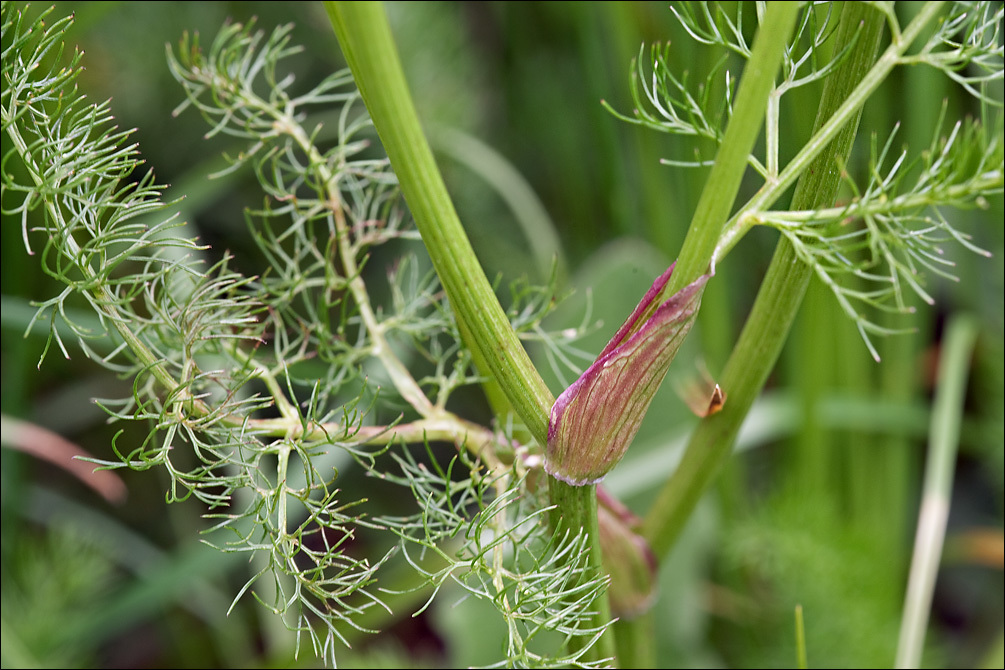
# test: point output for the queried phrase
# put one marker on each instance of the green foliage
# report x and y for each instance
(54, 583)
(899, 207)
(903, 231)
(303, 380)
(214, 352)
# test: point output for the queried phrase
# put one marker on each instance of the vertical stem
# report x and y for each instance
(942, 448)
(576, 508)
(843, 116)
(635, 642)
(724, 179)
(800, 639)
(365, 37)
(777, 301)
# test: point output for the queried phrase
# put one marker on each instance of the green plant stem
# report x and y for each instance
(950, 393)
(528, 211)
(575, 509)
(800, 639)
(365, 37)
(849, 110)
(727, 172)
(777, 301)
(635, 642)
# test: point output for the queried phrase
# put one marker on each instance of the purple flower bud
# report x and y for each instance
(594, 420)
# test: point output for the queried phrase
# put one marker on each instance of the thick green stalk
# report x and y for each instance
(365, 36)
(576, 508)
(718, 195)
(777, 301)
(635, 642)
(849, 110)
(724, 179)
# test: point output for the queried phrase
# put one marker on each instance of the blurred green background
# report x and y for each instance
(818, 508)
